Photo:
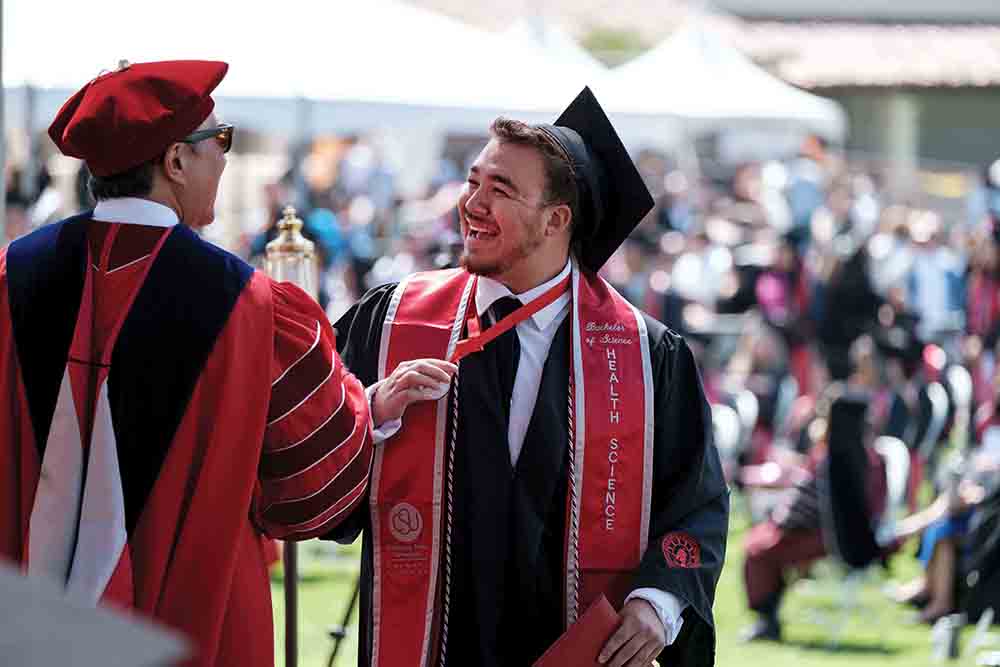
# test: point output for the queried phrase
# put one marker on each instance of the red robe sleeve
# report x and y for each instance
(317, 453)
(17, 452)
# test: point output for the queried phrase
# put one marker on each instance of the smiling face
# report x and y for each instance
(510, 232)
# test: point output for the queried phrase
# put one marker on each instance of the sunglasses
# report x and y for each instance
(223, 134)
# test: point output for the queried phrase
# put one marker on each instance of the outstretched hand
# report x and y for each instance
(411, 381)
(639, 638)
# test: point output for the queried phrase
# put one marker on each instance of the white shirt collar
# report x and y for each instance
(135, 211)
(489, 290)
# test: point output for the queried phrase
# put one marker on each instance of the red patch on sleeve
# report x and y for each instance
(681, 550)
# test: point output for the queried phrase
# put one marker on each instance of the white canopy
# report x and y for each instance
(556, 45)
(360, 65)
(302, 67)
(697, 76)
(376, 51)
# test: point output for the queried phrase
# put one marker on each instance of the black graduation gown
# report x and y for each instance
(506, 606)
(978, 582)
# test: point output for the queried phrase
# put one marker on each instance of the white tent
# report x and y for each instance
(697, 76)
(359, 64)
(556, 45)
(303, 67)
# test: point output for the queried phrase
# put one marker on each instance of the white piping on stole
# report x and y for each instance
(439, 450)
(376, 473)
(647, 439)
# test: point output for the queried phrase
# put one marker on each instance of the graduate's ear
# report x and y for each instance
(559, 219)
(174, 162)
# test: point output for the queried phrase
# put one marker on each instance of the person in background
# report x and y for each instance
(792, 538)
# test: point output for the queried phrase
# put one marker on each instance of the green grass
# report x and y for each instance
(879, 633)
(325, 586)
(884, 635)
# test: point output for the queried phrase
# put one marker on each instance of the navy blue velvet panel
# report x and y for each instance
(161, 351)
(45, 272)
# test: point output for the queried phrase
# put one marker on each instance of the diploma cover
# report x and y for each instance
(582, 643)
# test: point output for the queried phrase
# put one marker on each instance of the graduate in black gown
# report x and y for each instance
(539, 200)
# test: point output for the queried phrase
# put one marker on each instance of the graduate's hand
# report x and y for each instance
(639, 638)
(412, 381)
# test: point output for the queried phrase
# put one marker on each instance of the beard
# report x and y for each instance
(495, 267)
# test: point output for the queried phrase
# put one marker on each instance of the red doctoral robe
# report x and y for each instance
(164, 408)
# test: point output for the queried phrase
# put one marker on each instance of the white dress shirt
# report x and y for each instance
(134, 211)
(535, 336)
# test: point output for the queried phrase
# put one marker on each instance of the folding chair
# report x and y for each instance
(896, 458)
(960, 385)
(849, 536)
(788, 391)
(748, 408)
(728, 436)
(937, 397)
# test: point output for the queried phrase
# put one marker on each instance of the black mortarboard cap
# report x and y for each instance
(613, 197)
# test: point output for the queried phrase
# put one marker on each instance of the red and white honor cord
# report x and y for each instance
(449, 523)
(572, 555)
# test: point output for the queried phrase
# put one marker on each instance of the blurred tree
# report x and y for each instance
(613, 46)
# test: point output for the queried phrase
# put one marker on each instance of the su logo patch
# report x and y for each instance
(681, 550)
(405, 522)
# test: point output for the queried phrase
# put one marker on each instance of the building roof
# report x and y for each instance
(871, 11)
(838, 55)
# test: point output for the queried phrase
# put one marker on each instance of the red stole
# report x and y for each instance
(611, 458)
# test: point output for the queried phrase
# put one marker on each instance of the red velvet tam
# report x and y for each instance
(130, 116)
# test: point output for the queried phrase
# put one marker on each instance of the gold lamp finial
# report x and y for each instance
(290, 240)
(291, 256)
(289, 219)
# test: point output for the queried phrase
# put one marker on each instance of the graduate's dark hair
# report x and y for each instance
(560, 178)
(135, 182)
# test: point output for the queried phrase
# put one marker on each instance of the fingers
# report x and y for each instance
(427, 393)
(627, 652)
(436, 369)
(645, 656)
(624, 633)
(638, 639)
(416, 379)
(422, 379)
(446, 366)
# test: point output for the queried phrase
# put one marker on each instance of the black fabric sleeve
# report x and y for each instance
(359, 333)
(359, 336)
(690, 502)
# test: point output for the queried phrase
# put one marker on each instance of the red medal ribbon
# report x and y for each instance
(477, 338)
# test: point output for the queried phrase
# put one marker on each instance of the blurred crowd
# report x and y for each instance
(848, 342)
(804, 288)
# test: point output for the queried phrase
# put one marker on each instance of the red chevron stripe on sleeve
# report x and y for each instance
(318, 451)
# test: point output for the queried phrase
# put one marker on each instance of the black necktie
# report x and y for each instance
(507, 349)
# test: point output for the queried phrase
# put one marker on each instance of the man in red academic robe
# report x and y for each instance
(165, 406)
